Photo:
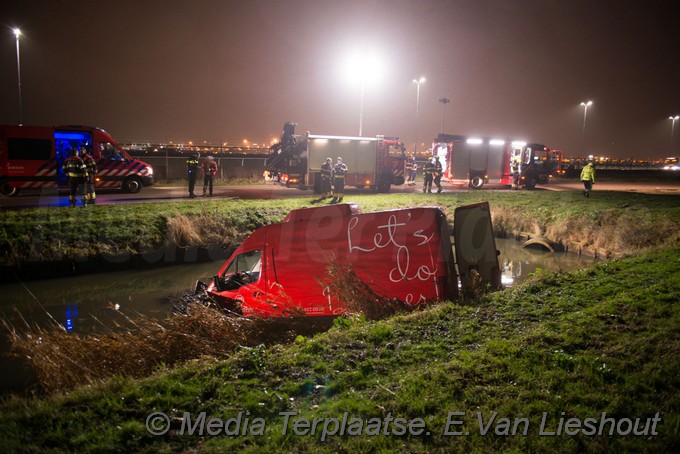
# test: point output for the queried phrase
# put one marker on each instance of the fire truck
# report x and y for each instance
(477, 161)
(31, 157)
(282, 269)
(373, 162)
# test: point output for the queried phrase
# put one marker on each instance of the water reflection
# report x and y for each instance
(517, 263)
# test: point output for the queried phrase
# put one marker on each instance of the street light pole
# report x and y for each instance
(672, 127)
(361, 106)
(585, 105)
(17, 33)
(415, 141)
(444, 101)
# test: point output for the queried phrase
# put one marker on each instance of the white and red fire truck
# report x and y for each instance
(31, 157)
(477, 161)
(373, 162)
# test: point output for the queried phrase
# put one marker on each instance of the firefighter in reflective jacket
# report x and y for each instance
(429, 170)
(326, 178)
(339, 172)
(91, 172)
(588, 178)
(514, 171)
(438, 171)
(76, 174)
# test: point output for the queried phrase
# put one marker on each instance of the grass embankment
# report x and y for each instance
(607, 224)
(577, 345)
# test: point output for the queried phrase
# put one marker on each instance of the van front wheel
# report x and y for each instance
(132, 185)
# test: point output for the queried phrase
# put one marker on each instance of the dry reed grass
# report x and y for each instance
(63, 360)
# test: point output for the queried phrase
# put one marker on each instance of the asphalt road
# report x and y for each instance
(48, 198)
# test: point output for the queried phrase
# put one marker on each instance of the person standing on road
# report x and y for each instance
(514, 171)
(209, 170)
(411, 167)
(192, 170)
(76, 174)
(588, 178)
(428, 174)
(339, 172)
(438, 170)
(326, 178)
(91, 172)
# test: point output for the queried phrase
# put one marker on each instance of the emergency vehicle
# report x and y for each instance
(31, 157)
(404, 254)
(374, 162)
(477, 161)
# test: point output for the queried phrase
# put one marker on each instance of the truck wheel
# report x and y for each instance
(476, 182)
(384, 183)
(530, 183)
(6, 189)
(132, 185)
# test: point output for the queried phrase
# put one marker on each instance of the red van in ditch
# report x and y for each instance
(404, 254)
(32, 156)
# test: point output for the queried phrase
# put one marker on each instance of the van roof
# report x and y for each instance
(338, 210)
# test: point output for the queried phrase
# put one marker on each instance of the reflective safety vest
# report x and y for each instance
(90, 164)
(429, 168)
(326, 170)
(340, 170)
(588, 173)
(192, 164)
(75, 169)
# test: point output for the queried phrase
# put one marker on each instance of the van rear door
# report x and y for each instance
(476, 252)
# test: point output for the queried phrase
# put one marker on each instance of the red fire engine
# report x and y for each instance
(375, 162)
(476, 161)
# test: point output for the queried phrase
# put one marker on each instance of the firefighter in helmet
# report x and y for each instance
(326, 178)
(429, 170)
(76, 174)
(91, 172)
(438, 170)
(514, 171)
(339, 172)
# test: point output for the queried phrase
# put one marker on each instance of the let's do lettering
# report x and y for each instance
(386, 236)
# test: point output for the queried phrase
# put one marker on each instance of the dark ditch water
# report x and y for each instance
(97, 302)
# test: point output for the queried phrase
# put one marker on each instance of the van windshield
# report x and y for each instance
(243, 269)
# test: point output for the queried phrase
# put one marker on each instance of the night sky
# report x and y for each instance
(222, 70)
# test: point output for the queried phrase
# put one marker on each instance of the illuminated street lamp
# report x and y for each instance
(673, 127)
(17, 33)
(366, 68)
(585, 105)
(415, 140)
(444, 101)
